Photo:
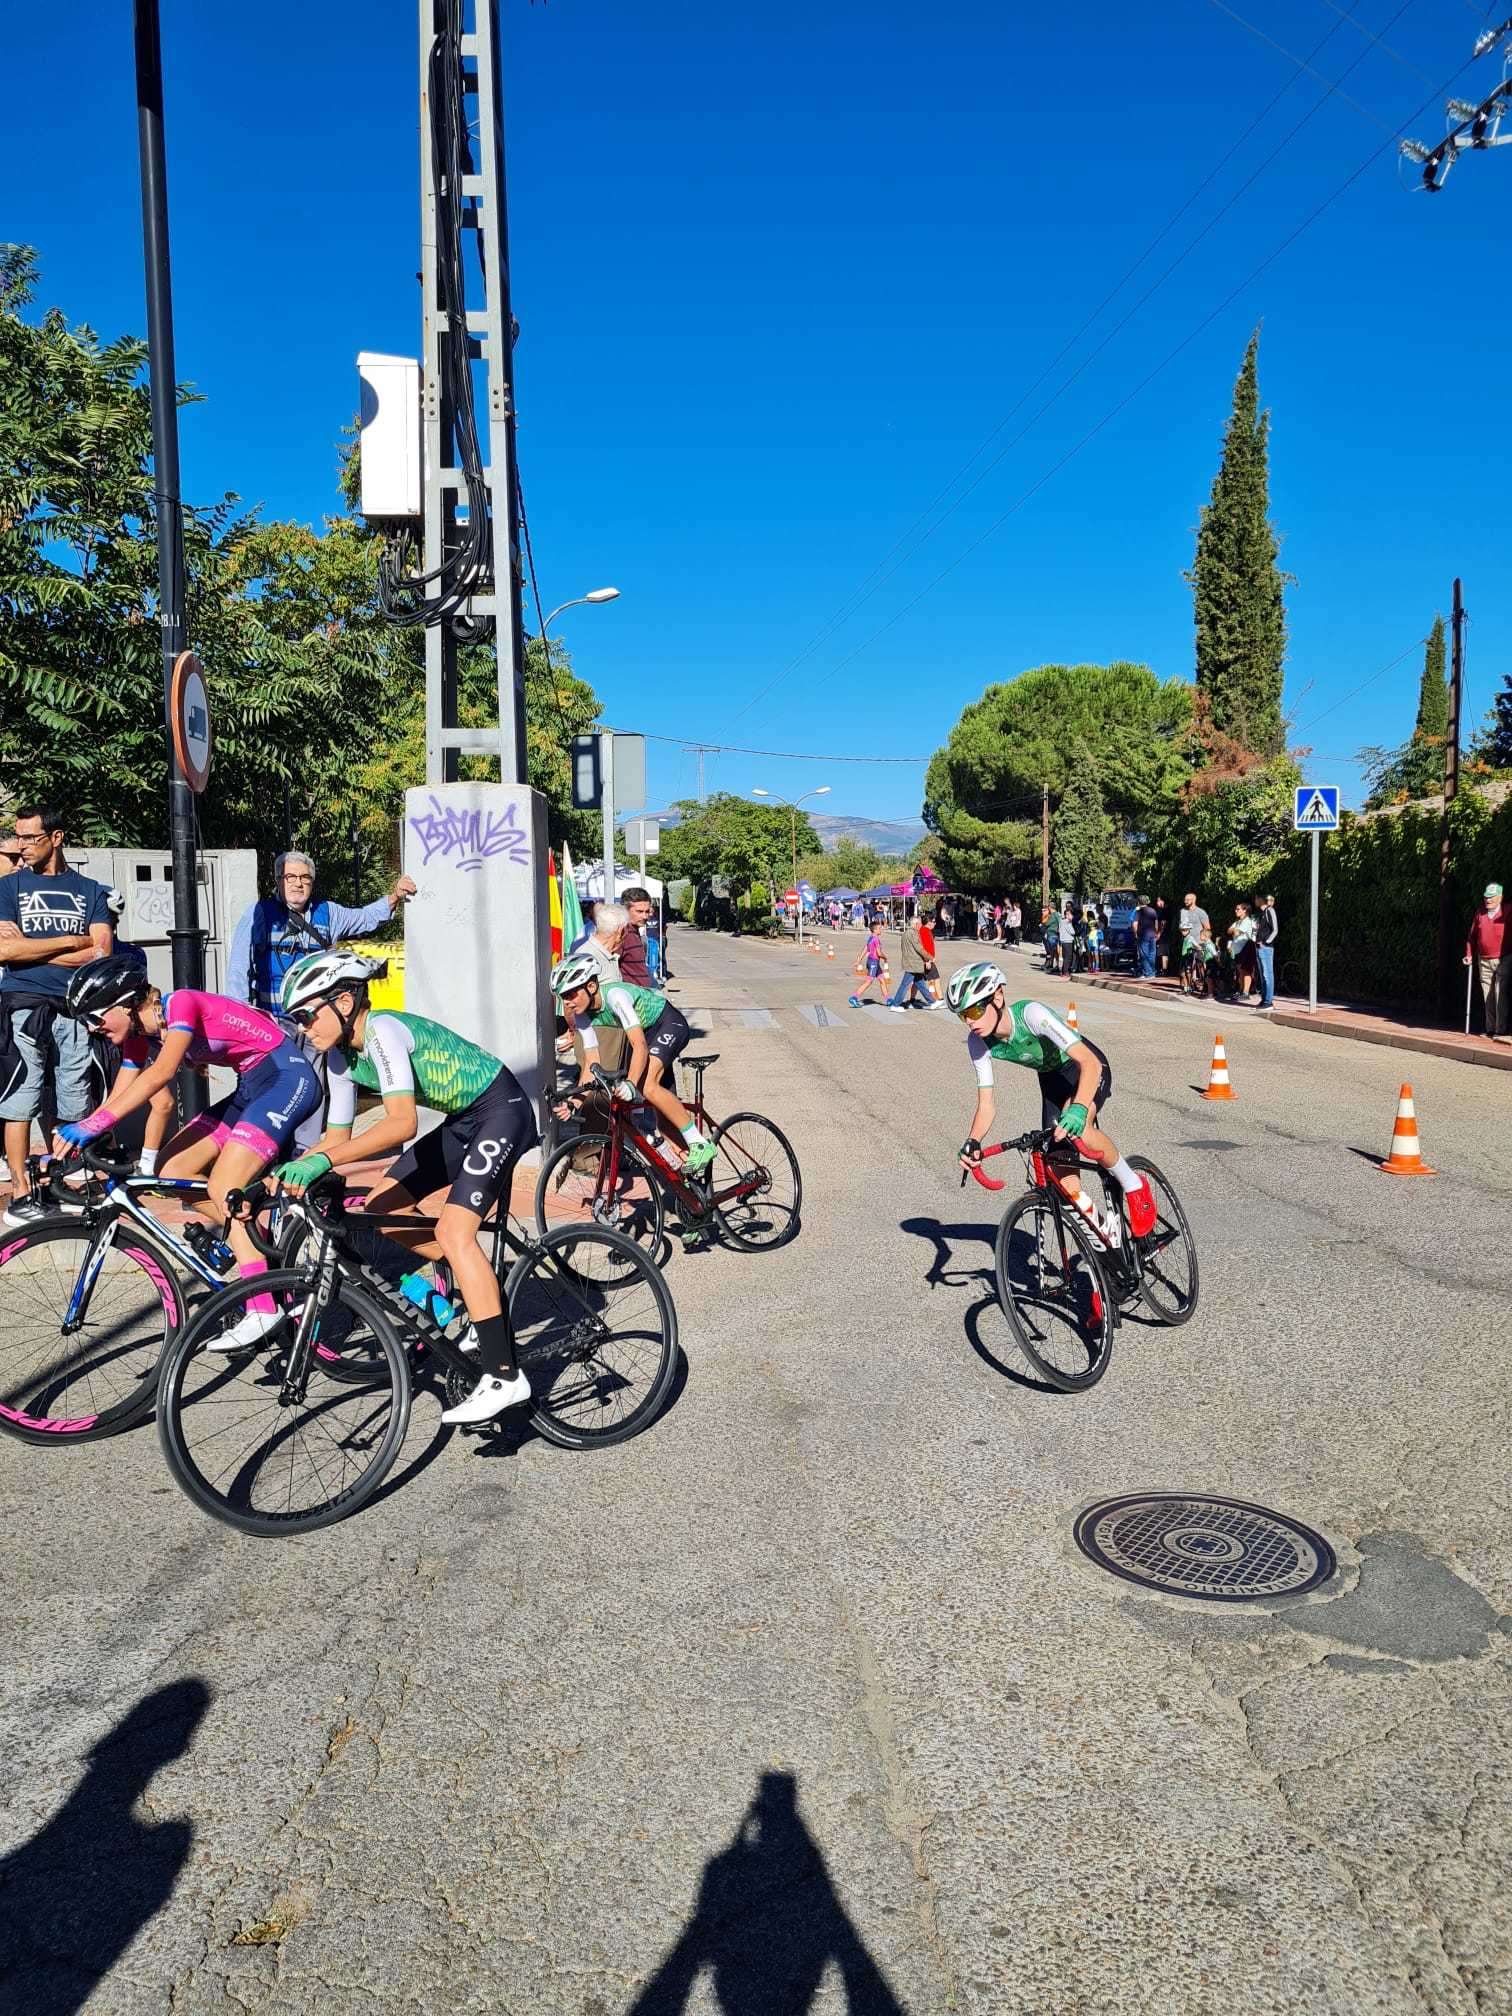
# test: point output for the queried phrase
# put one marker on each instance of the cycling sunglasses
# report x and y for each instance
(976, 1011)
(303, 1017)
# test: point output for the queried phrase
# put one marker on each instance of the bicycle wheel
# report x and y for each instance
(1050, 1283)
(596, 1334)
(574, 1187)
(271, 1447)
(753, 1160)
(82, 1327)
(1168, 1255)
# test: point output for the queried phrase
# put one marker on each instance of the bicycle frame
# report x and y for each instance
(1123, 1263)
(119, 1202)
(698, 1200)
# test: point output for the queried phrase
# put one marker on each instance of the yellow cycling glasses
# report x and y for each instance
(976, 1011)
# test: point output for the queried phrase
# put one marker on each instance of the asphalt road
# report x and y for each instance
(805, 1699)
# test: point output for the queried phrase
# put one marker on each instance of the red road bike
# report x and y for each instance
(622, 1173)
(1062, 1284)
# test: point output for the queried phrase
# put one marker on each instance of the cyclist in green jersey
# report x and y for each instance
(470, 1156)
(657, 1035)
(1076, 1083)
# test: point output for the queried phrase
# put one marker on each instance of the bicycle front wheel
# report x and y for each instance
(1051, 1285)
(262, 1439)
(1168, 1255)
(596, 1334)
(755, 1183)
(575, 1187)
(82, 1327)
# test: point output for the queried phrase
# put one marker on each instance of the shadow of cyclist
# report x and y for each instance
(74, 1897)
(767, 1925)
(985, 1316)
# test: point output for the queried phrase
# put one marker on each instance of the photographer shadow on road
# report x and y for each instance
(74, 1897)
(768, 1924)
(985, 1318)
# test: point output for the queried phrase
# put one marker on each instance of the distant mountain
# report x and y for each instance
(885, 836)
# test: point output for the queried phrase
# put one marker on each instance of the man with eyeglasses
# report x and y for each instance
(51, 922)
(278, 930)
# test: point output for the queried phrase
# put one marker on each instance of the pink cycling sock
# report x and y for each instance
(257, 1305)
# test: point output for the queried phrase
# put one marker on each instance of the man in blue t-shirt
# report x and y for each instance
(51, 922)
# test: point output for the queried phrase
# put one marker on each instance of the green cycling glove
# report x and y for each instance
(1074, 1121)
(301, 1174)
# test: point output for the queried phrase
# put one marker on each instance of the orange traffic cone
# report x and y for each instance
(1405, 1158)
(1071, 1021)
(1218, 1083)
(830, 953)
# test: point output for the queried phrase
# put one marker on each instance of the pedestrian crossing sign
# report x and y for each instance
(1316, 809)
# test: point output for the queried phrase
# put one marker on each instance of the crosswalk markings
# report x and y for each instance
(822, 1017)
(757, 1018)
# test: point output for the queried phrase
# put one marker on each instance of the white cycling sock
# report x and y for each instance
(148, 1163)
(691, 1135)
(1127, 1179)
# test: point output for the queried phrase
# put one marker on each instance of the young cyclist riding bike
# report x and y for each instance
(471, 1155)
(1076, 1083)
(235, 1140)
(657, 1034)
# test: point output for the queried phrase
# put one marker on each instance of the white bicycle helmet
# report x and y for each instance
(575, 971)
(319, 975)
(974, 983)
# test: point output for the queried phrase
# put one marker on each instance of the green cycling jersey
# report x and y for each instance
(408, 1053)
(1029, 1034)
(628, 1006)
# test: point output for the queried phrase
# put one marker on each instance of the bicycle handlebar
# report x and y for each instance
(1038, 1140)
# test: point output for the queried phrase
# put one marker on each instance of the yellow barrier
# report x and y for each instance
(389, 992)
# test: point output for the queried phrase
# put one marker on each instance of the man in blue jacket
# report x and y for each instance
(277, 930)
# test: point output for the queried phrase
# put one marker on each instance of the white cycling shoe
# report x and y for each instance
(252, 1329)
(489, 1397)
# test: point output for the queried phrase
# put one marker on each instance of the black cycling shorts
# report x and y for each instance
(667, 1038)
(1058, 1088)
(474, 1151)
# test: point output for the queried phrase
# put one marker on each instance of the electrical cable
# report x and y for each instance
(469, 569)
(1149, 378)
(1118, 326)
(1281, 50)
(1416, 645)
(1395, 55)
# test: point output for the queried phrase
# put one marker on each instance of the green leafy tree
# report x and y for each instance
(1416, 769)
(1237, 583)
(1493, 745)
(313, 691)
(1082, 846)
(982, 791)
(732, 838)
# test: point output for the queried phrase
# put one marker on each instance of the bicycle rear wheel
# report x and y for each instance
(754, 1155)
(1051, 1285)
(82, 1327)
(1168, 1255)
(574, 1187)
(596, 1333)
(273, 1448)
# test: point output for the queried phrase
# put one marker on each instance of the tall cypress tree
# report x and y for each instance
(1237, 582)
(1424, 759)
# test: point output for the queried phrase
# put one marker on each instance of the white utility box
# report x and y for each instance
(390, 422)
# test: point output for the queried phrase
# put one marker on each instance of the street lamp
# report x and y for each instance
(792, 804)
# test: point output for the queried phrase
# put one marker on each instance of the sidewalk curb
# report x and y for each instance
(1426, 1045)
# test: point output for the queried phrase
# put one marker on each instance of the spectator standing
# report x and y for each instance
(1194, 920)
(1050, 932)
(915, 965)
(1489, 948)
(931, 966)
(1069, 932)
(10, 861)
(1241, 935)
(1267, 931)
(1162, 936)
(634, 963)
(52, 921)
(1146, 930)
(275, 931)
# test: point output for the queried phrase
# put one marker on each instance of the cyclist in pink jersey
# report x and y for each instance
(236, 1139)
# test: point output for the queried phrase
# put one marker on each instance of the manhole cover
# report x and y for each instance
(1216, 1548)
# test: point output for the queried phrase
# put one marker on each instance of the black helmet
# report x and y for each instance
(118, 981)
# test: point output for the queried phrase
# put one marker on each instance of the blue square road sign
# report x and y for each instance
(1316, 809)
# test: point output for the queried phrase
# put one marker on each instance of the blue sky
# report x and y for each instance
(779, 270)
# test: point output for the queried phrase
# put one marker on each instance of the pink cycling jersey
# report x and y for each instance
(221, 1031)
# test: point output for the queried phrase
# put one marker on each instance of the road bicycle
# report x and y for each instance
(91, 1297)
(621, 1173)
(301, 1429)
(1063, 1286)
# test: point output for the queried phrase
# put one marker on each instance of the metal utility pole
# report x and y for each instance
(168, 514)
(1446, 922)
(460, 88)
(1045, 848)
(700, 750)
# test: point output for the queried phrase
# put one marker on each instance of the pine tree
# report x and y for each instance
(1493, 745)
(1237, 583)
(1416, 768)
(1082, 840)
